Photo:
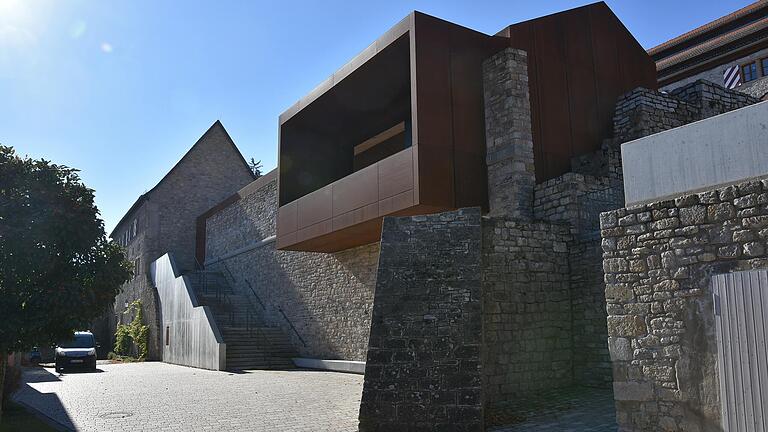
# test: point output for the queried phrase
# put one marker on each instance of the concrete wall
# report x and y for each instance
(193, 338)
(659, 259)
(327, 297)
(723, 149)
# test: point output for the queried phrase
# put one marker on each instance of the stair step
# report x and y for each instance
(260, 347)
(231, 363)
(241, 363)
(261, 355)
(259, 358)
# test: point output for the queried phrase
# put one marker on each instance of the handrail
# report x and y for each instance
(200, 266)
(261, 303)
(258, 299)
(279, 309)
(250, 318)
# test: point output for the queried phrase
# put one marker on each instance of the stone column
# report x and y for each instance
(508, 135)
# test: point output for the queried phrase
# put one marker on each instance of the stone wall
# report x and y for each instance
(526, 308)
(327, 297)
(711, 99)
(423, 370)
(757, 88)
(658, 261)
(643, 112)
(578, 200)
(508, 134)
(210, 171)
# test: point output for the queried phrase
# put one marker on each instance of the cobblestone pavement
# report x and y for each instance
(576, 409)
(163, 397)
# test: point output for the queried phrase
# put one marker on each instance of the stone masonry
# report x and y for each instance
(658, 260)
(643, 112)
(423, 370)
(527, 319)
(163, 220)
(578, 199)
(326, 297)
(509, 138)
(464, 313)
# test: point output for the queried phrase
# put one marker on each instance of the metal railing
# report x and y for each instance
(279, 309)
(250, 320)
(204, 279)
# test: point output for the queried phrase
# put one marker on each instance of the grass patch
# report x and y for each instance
(16, 418)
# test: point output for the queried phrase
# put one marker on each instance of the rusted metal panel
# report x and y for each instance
(741, 321)
(434, 113)
(395, 174)
(429, 71)
(356, 190)
(287, 220)
(315, 207)
(580, 62)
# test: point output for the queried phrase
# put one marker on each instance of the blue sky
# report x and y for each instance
(121, 89)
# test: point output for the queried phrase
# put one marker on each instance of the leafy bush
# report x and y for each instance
(134, 334)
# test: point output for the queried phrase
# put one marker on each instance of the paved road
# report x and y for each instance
(163, 397)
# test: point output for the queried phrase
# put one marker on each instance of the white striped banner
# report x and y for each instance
(731, 77)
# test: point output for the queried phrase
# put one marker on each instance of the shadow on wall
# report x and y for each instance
(326, 297)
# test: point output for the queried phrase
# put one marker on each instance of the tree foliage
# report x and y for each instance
(255, 167)
(58, 270)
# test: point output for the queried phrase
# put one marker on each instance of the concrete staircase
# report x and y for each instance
(251, 344)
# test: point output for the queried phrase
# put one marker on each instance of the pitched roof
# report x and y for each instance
(725, 39)
(711, 27)
(143, 197)
(711, 44)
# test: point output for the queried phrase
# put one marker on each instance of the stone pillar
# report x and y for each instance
(423, 369)
(508, 135)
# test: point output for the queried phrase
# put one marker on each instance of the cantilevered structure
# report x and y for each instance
(400, 129)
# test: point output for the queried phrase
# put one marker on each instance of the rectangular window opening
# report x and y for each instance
(749, 72)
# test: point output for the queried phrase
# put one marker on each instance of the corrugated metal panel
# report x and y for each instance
(741, 318)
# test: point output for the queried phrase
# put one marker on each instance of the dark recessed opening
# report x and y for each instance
(364, 118)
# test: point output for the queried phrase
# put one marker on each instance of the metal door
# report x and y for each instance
(741, 319)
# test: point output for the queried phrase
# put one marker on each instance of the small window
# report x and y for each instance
(764, 66)
(136, 269)
(167, 335)
(749, 72)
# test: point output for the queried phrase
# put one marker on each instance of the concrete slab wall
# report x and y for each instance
(190, 335)
(719, 150)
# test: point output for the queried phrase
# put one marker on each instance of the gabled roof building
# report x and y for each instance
(162, 220)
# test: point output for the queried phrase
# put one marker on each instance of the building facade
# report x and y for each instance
(488, 286)
(450, 208)
(731, 51)
(163, 220)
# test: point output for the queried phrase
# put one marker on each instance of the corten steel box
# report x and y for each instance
(400, 129)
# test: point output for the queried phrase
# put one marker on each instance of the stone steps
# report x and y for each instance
(262, 347)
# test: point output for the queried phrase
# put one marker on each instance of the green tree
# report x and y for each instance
(58, 270)
(255, 167)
